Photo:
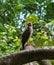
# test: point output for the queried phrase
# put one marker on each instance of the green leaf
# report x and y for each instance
(52, 21)
(2, 28)
(44, 37)
(20, 6)
(39, 33)
(42, 23)
(31, 39)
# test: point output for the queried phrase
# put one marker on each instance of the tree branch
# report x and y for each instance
(26, 56)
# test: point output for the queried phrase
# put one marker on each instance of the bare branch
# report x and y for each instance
(26, 56)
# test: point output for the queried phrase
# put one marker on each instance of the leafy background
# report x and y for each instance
(15, 14)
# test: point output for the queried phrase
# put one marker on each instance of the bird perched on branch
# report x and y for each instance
(27, 33)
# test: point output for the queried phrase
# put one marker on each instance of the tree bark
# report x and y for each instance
(41, 62)
(26, 56)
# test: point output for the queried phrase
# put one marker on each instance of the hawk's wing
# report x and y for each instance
(26, 35)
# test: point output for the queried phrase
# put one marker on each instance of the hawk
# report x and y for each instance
(27, 33)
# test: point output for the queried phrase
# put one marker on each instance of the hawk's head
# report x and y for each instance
(29, 24)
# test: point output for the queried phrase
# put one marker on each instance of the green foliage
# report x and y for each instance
(32, 18)
(50, 11)
(2, 28)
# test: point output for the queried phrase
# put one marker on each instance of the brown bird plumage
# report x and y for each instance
(26, 34)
